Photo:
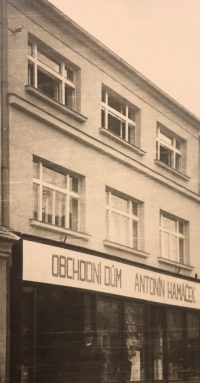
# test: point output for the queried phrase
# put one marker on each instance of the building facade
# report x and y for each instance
(100, 212)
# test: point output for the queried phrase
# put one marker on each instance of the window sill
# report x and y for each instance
(127, 249)
(122, 142)
(61, 230)
(36, 92)
(176, 264)
(174, 171)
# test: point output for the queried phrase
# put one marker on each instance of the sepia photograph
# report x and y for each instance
(100, 191)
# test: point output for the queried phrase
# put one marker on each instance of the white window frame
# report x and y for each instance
(66, 191)
(131, 218)
(63, 81)
(162, 131)
(123, 118)
(173, 234)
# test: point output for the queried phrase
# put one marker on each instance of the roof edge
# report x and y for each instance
(129, 67)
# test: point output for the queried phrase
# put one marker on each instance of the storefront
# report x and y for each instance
(145, 324)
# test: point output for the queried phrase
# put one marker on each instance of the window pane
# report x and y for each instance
(123, 132)
(49, 85)
(165, 245)
(123, 110)
(35, 169)
(113, 103)
(73, 214)
(69, 97)
(165, 155)
(131, 114)
(119, 203)
(176, 349)
(135, 342)
(45, 59)
(69, 74)
(47, 205)
(108, 332)
(166, 138)
(31, 74)
(53, 177)
(103, 96)
(134, 208)
(181, 250)
(115, 227)
(135, 235)
(173, 248)
(114, 125)
(103, 115)
(124, 231)
(30, 48)
(73, 181)
(181, 227)
(157, 327)
(193, 346)
(169, 223)
(60, 200)
(131, 134)
(35, 201)
(177, 161)
(178, 144)
(193, 325)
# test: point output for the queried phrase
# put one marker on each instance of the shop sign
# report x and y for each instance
(54, 265)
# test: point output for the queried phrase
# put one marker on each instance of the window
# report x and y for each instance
(56, 197)
(108, 329)
(51, 76)
(118, 117)
(170, 149)
(193, 345)
(122, 217)
(135, 342)
(173, 236)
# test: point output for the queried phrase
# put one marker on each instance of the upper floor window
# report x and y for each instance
(122, 218)
(118, 117)
(56, 197)
(173, 238)
(170, 149)
(52, 76)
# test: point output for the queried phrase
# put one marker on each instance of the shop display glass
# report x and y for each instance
(108, 336)
(135, 342)
(157, 343)
(193, 346)
(177, 368)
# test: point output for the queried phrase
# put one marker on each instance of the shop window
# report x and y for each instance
(122, 218)
(173, 233)
(170, 149)
(135, 342)
(51, 76)
(56, 197)
(58, 335)
(108, 336)
(119, 118)
(175, 341)
(157, 339)
(193, 346)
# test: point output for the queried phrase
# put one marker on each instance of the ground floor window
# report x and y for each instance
(135, 341)
(67, 335)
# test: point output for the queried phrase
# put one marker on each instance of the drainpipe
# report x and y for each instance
(5, 219)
